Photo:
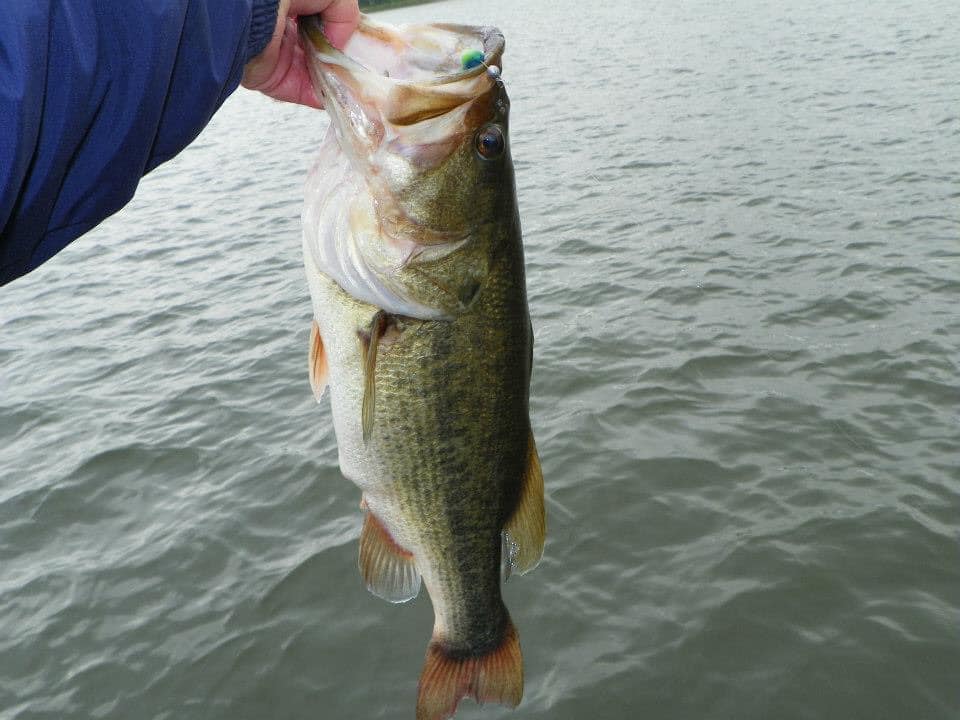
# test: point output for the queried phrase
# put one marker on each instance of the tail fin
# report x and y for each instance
(496, 676)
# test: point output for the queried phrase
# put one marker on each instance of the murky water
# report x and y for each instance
(742, 224)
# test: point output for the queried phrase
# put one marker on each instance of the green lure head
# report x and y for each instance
(470, 59)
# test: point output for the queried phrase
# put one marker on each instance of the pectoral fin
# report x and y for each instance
(370, 343)
(319, 370)
(527, 527)
(388, 570)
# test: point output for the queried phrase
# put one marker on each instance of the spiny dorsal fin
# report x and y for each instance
(493, 676)
(370, 342)
(527, 527)
(388, 570)
(319, 370)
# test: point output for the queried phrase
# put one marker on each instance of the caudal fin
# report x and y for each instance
(496, 676)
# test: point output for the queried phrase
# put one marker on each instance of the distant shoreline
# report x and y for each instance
(392, 4)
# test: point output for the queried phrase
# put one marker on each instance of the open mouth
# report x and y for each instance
(434, 54)
(400, 76)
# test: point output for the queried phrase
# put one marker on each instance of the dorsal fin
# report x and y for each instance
(527, 526)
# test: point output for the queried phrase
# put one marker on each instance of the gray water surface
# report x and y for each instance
(743, 245)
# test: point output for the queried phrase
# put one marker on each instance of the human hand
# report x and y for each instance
(280, 71)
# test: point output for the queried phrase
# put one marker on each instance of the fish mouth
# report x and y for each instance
(405, 104)
(401, 75)
(430, 54)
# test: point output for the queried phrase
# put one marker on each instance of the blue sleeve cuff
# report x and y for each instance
(263, 21)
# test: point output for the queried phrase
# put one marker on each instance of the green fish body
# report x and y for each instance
(414, 259)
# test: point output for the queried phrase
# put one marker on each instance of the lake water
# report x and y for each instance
(742, 224)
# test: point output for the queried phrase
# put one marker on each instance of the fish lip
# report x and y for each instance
(311, 33)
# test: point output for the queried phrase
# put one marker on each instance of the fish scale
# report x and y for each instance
(429, 386)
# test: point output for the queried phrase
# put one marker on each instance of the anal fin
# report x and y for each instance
(493, 676)
(527, 527)
(388, 570)
(319, 370)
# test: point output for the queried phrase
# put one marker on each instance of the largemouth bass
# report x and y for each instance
(413, 255)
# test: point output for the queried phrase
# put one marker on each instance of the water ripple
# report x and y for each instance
(741, 250)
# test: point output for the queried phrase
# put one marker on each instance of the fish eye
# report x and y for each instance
(490, 142)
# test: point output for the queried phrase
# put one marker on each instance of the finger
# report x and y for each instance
(288, 80)
(340, 17)
(305, 92)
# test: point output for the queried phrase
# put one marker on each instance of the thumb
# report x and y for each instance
(340, 17)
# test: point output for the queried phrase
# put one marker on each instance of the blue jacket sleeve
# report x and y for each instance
(96, 93)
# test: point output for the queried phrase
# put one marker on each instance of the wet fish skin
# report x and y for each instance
(431, 411)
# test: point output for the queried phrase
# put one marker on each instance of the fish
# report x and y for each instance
(422, 335)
